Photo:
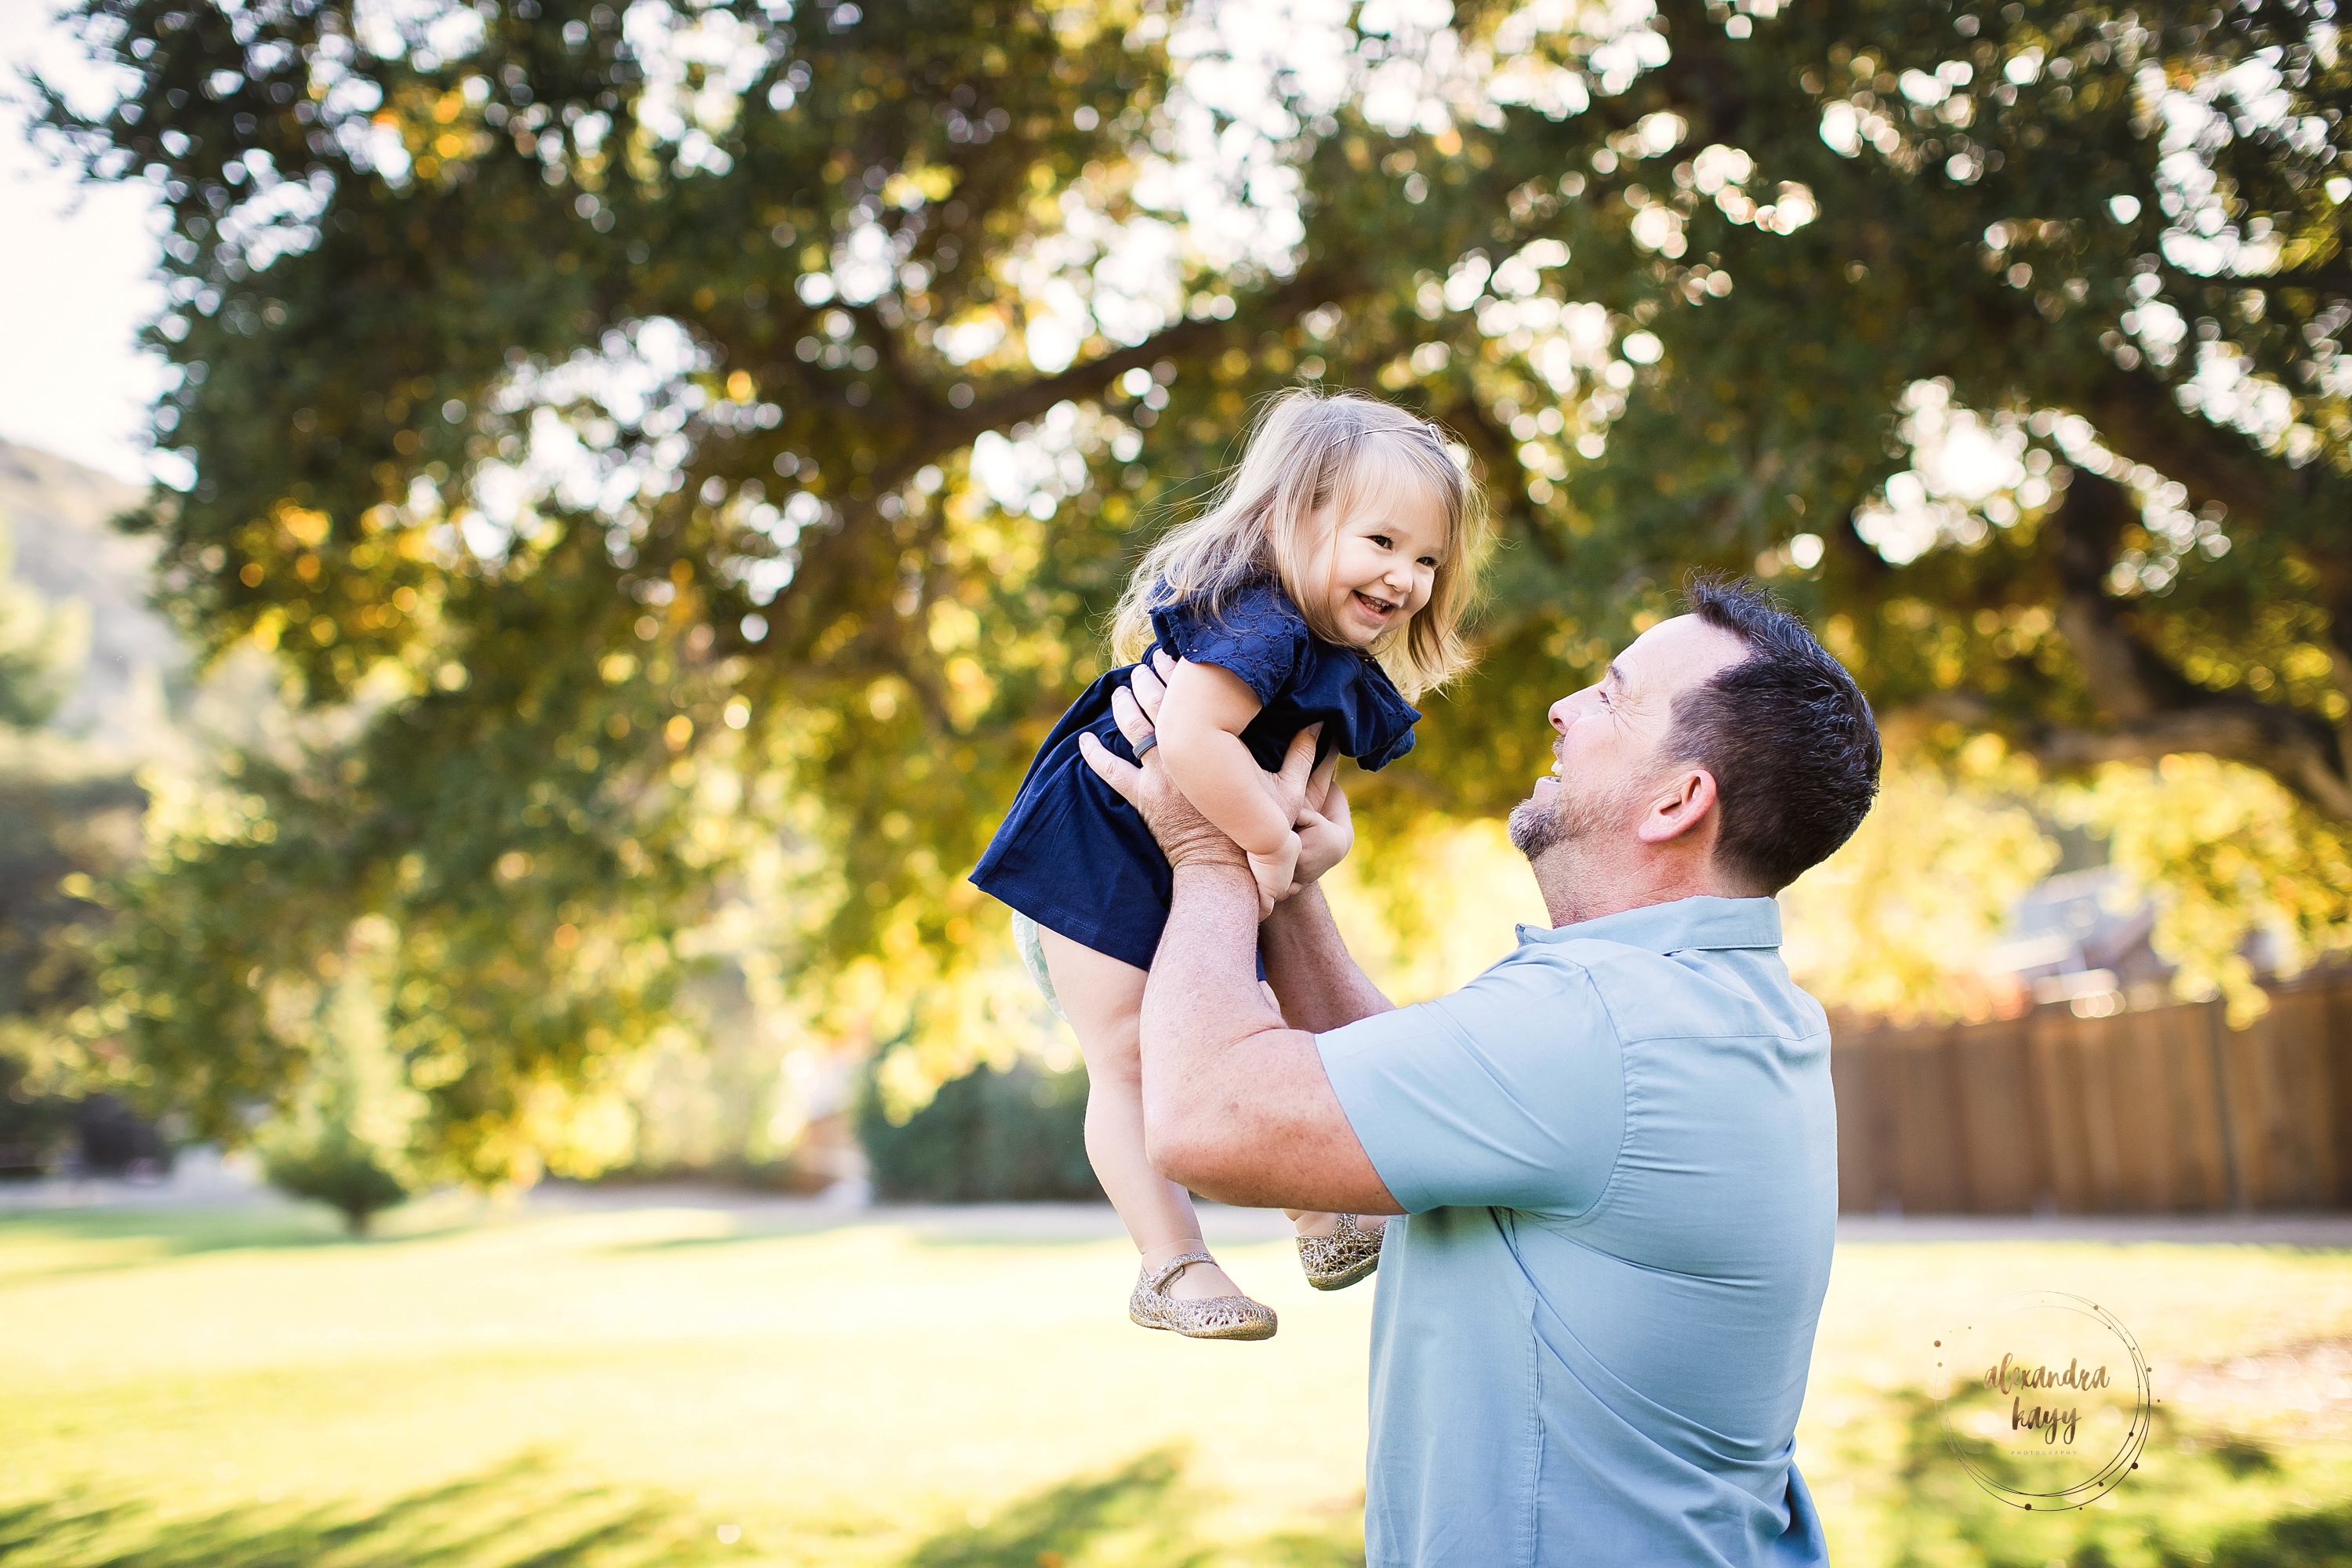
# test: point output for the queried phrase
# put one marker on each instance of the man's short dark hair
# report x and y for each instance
(1787, 734)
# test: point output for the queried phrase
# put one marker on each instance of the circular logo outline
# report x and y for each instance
(2116, 1469)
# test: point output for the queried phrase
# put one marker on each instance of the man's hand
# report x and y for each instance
(1185, 836)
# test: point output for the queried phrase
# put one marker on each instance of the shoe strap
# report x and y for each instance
(1173, 1266)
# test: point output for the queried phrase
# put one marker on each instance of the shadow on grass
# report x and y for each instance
(517, 1516)
(521, 1515)
(1142, 1514)
(2318, 1539)
(2204, 1498)
(925, 1232)
(134, 1238)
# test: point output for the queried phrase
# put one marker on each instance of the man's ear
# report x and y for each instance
(1680, 805)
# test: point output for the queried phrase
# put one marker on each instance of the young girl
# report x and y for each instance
(1334, 567)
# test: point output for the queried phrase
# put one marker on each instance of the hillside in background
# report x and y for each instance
(66, 548)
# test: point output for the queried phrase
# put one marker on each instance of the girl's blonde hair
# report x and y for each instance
(1310, 458)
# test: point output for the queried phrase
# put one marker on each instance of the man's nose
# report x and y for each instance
(1560, 714)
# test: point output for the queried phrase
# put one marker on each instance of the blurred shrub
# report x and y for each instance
(35, 1127)
(987, 1137)
(345, 1139)
(338, 1168)
(116, 1140)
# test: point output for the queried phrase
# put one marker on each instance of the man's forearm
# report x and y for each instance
(1310, 968)
(1236, 1106)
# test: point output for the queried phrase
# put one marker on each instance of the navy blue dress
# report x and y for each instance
(1077, 859)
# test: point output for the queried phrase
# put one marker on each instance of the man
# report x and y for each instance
(1616, 1147)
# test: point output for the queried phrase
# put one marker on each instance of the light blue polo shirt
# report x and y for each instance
(1618, 1154)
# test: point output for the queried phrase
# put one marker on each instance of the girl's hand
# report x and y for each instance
(1275, 873)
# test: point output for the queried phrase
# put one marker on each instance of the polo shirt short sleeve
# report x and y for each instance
(1508, 1091)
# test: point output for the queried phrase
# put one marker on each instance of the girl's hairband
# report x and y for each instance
(1427, 427)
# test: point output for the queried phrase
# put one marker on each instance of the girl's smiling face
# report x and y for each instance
(1384, 555)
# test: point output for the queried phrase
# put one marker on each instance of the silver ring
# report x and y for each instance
(1146, 745)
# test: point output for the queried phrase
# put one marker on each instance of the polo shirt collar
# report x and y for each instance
(1676, 927)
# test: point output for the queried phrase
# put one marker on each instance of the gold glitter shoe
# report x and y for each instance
(1212, 1318)
(1336, 1262)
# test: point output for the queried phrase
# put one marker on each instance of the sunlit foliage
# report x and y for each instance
(1902, 922)
(2238, 869)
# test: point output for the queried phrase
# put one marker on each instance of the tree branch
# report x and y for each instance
(949, 430)
(2279, 740)
(2137, 416)
(2155, 708)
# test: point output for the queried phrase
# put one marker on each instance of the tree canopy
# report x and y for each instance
(672, 444)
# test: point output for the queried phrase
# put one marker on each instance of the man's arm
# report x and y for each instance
(1310, 969)
(1235, 1105)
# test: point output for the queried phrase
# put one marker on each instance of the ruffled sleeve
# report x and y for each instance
(1387, 727)
(1372, 761)
(1257, 634)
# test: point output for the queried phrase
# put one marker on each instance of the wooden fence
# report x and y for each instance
(2162, 1109)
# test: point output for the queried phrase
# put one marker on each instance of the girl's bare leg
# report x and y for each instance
(1103, 999)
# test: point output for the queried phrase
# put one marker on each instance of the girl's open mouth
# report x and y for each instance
(1379, 609)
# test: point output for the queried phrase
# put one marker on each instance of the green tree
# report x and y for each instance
(66, 820)
(345, 1139)
(650, 431)
(40, 645)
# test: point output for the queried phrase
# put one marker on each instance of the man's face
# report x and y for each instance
(1610, 749)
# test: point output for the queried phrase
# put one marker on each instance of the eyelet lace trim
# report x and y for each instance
(1257, 634)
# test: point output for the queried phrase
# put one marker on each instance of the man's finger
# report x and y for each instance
(1129, 715)
(1115, 769)
(1334, 806)
(1149, 686)
(1320, 783)
(1299, 761)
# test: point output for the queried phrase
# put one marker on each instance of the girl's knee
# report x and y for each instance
(1116, 1066)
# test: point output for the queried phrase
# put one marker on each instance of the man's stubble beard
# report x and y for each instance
(1536, 832)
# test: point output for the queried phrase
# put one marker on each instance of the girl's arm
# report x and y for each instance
(1200, 728)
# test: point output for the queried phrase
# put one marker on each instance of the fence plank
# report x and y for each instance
(1850, 1082)
(2254, 1110)
(1930, 1158)
(2003, 1170)
(2336, 1039)
(2294, 1071)
(2200, 1169)
(2049, 1037)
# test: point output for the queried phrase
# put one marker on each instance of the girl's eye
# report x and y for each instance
(1383, 541)
(1430, 562)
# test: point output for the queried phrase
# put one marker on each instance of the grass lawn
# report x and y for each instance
(677, 1385)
